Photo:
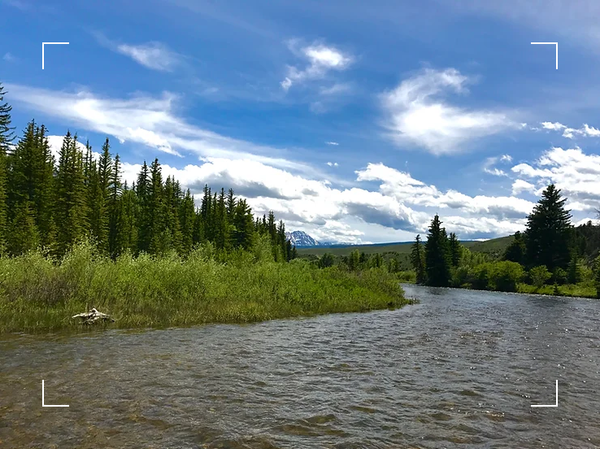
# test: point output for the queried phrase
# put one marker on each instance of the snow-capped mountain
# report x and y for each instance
(301, 239)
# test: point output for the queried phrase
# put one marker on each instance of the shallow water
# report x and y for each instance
(460, 369)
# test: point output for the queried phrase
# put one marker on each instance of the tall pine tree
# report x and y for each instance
(437, 255)
(549, 232)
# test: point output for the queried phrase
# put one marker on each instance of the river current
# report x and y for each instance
(460, 369)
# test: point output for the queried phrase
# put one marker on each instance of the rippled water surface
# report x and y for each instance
(460, 369)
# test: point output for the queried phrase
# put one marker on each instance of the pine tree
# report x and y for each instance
(243, 234)
(97, 214)
(454, 246)
(515, 252)
(549, 231)
(6, 137)
(70, 195)
(417, 260)
(23, 235)
(114, 205)
(187, 217)
(437, 255)
(159, 237)
(144, 218)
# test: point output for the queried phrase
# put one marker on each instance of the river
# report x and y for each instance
(460, 369)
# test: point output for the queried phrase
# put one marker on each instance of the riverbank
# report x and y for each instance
(37, 295)
(581, 290)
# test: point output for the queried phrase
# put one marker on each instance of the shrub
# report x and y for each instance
(326, 260)
(539, 275)
(506, 275)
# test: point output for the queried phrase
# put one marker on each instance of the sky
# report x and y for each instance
(353, 121)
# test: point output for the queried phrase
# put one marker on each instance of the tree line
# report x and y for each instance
(53, 204)
(550, 249)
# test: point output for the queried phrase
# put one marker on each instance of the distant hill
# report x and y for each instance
(494, 247)
(301, 239)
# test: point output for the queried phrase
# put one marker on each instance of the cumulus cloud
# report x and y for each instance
(571, 133)
(577, 174)
(321, 59)
(417, 113)
(332, 143)
(521, 185)
(332, 164)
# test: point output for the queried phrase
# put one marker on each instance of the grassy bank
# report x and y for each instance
(39, 295)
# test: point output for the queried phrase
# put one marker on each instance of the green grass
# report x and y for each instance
(493, 246)
(39, 295)
(582, 290)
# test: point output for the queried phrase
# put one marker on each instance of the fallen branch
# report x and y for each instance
(93, 316)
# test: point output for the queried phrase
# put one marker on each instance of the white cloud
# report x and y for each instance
(332, 143)
(147, 120)
(488, 165)
(332, 164)
(556, 126)
(570, 133)
(417, 115)
(520, 186)
(321, 59)
(577, 174)
(153, 55)
(8, 57)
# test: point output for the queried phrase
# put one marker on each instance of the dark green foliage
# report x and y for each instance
(417, 260)
(55, 205)
(70, 210)
(6, 137)
(515, 252)
(549, 232)
(326, 260)
(573, 271)
(437, 255)
(455, 252)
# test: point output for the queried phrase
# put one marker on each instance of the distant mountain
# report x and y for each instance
(301, 239)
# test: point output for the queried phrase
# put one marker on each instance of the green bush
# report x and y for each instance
(539, 275)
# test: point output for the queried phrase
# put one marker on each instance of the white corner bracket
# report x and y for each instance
(46, 405)
(551, 405)
(549, 43)
(50, 43)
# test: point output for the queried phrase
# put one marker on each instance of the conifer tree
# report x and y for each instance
(6, 137)
(437, 255)
(115, 208)
(549, 231)
(70, 195)
(159, 237)
(23, 235)
(417, 260)
(243, 234)
(144, 218)
(454, 246)
(187, 218)
(515, 252)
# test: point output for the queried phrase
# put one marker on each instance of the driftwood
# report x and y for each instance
(93, 317)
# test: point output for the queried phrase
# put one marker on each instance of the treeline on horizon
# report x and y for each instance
(52, 205)
(551, 251)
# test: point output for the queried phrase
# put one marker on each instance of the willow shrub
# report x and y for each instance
(37, 293)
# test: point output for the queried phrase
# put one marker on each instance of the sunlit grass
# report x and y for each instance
(39, 295)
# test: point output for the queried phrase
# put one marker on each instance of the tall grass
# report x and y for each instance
(38, 294)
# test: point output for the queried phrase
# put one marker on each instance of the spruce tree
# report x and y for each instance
(549, 231)
(454, 246)
(6, 137)
(70, 195)
(417, 260)
(437, 255)
(243, 234)
(23, 233)
(515, 252)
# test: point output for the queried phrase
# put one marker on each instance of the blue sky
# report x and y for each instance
(354, 121)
